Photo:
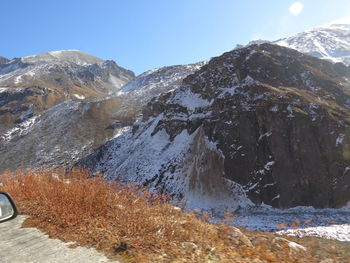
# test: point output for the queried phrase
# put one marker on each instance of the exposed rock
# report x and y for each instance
(294, 248)
(240, 239)
(204, 170)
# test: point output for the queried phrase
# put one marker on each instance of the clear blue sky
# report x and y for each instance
(144, 34)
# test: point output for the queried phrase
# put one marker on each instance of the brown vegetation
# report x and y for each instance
(132, 224)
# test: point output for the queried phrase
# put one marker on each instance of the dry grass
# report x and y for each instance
(130, 223)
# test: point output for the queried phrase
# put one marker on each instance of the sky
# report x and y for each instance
(145, 34)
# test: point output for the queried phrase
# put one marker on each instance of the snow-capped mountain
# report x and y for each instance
(330, 42)
(261, 124)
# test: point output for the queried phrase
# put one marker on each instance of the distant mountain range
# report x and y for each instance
(261, 124)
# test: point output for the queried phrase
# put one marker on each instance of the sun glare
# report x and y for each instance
(296, 8)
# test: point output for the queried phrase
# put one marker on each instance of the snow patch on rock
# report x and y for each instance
(339, 140)
(298, 221)
(19, 130)
(80, 97)
(190, 100)
(337, 232)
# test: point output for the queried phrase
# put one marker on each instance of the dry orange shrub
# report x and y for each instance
(128, 222)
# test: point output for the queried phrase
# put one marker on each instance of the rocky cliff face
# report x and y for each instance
(262, 122)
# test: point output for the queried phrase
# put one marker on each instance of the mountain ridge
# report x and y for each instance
(69, 55)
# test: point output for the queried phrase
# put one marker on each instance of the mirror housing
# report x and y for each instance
(8, 209)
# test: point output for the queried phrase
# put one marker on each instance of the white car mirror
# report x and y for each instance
(8, 209)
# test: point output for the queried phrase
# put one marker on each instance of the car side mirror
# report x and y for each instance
(8, 209)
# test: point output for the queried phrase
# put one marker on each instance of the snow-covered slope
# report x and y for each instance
(156, 81)
(330, 42)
